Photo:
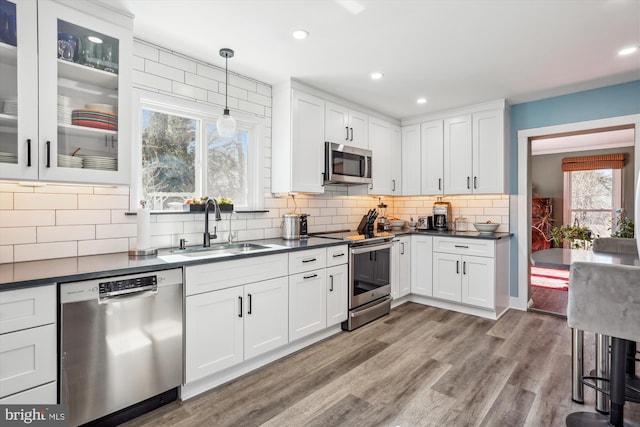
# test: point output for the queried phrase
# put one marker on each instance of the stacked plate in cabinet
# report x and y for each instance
(10, 107)
(69, 161)
(100, 163)
(64, 110)
(8, 157)
(95, 119)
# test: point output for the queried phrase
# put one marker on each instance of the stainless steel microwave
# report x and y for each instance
(347, 165)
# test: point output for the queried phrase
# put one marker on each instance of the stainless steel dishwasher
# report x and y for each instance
(121, 345)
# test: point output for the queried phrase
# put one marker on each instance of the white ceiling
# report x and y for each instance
(453, 52)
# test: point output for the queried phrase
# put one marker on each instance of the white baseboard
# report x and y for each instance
(518, 303)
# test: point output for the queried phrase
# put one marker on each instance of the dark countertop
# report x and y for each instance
(35, 273)
(562, 258)
(465, 234)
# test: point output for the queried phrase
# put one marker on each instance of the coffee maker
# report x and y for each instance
(304, 226)
(383, 221)
(441, 215)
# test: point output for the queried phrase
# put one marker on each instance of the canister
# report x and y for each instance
(291, 226)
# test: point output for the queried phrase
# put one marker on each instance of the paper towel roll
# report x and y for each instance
(143, 219)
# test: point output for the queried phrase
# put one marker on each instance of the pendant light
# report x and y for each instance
(226, 124)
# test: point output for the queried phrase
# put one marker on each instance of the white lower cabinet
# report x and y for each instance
(225, 327)
(421, 265)
(401, 267)
(307, 303)
(337, 292)
(28, 345)
(469, 279)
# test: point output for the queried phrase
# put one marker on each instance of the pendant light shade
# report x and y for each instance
(226, 124)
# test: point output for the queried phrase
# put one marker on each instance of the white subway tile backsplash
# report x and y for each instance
(83, 216)
(161, 70)
(110, 231)
(39, 251)
(201, 82)
(64, 189)
(103, 246)
(259, 99)
(12, 187)
(145, 50)
(160, 228)
(251, 107)
(17, 235)
(111, 190)
(176, 61)
(144, 80)
(19, 218)
(6, 201)
(66, 233)
(137, 63)
(210, 72)
(102, 202)
(6, 254)
(264, 90)
(189, 91)
(241, 82)
(45, 201)
(235, 92)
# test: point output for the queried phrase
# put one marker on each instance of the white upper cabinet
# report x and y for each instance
(380, 145)
(298, 141)
(457, 155)
(346, 126)
(72, 87)
(432, 157)
(396, 160)
(411, 167)
(489, 152)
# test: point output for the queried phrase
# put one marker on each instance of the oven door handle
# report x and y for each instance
(358, 313)
(370, 248)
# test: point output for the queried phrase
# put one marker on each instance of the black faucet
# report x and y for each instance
(207, 237)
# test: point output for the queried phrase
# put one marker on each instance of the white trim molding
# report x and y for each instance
(523, 204)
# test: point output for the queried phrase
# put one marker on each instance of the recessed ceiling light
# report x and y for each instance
(628, 50)
(300, 34)
(376, 76)
(422, 100)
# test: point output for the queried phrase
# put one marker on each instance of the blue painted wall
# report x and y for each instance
(611, 101)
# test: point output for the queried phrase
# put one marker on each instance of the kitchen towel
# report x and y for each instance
(143, 219)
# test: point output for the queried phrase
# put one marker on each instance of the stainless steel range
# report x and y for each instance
(369, 275)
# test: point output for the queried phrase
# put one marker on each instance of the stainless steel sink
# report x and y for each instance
(220, 250)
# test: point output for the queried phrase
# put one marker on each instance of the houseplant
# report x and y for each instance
(577, 236)
(624, 226)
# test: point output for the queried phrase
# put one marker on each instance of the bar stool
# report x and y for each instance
(605, 299)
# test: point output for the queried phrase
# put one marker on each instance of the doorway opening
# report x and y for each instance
(545, 202)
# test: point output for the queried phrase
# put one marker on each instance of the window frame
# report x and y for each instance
(206, 114)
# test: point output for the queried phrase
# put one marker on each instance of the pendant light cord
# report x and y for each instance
(226, 82)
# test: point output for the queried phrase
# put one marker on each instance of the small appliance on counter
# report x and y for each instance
(461, 224)
(441, 215)
(291, 226)
(383, 222)
(304, 228)
(425, 223)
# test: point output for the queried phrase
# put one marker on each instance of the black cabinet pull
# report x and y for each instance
(322, 180)
(393, 182)
(457, 267)
(311, 276)
(475, 182)
(402, 251)
(338, 255)
(249, 311)
(461, 246)
(29, 152)
(468, 183)
(351, 134)
(439, 183)
(331, 285)
(240, 311)
(464, 267)
(48, 154)
(309, 260)
(347, 128)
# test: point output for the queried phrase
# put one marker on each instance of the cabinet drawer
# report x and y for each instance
(302, 261)
(26, 308)
(44, 395)
(337, 255)
(225, 274)
(477, 247)
(27, 359)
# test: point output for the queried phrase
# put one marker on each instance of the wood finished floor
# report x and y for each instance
(419, 366)
(549, 300)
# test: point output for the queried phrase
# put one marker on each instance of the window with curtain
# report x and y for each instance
(593, 191)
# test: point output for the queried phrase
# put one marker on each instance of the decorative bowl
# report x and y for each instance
(397, 223)
(484, 227)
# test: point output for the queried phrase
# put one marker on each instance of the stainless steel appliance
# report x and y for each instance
(441, 215)
(291, 226)
(347, 165)
(121, 345)
(304, 226)
(369, 276)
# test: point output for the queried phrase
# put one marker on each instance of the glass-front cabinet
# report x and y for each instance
(66, 106)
